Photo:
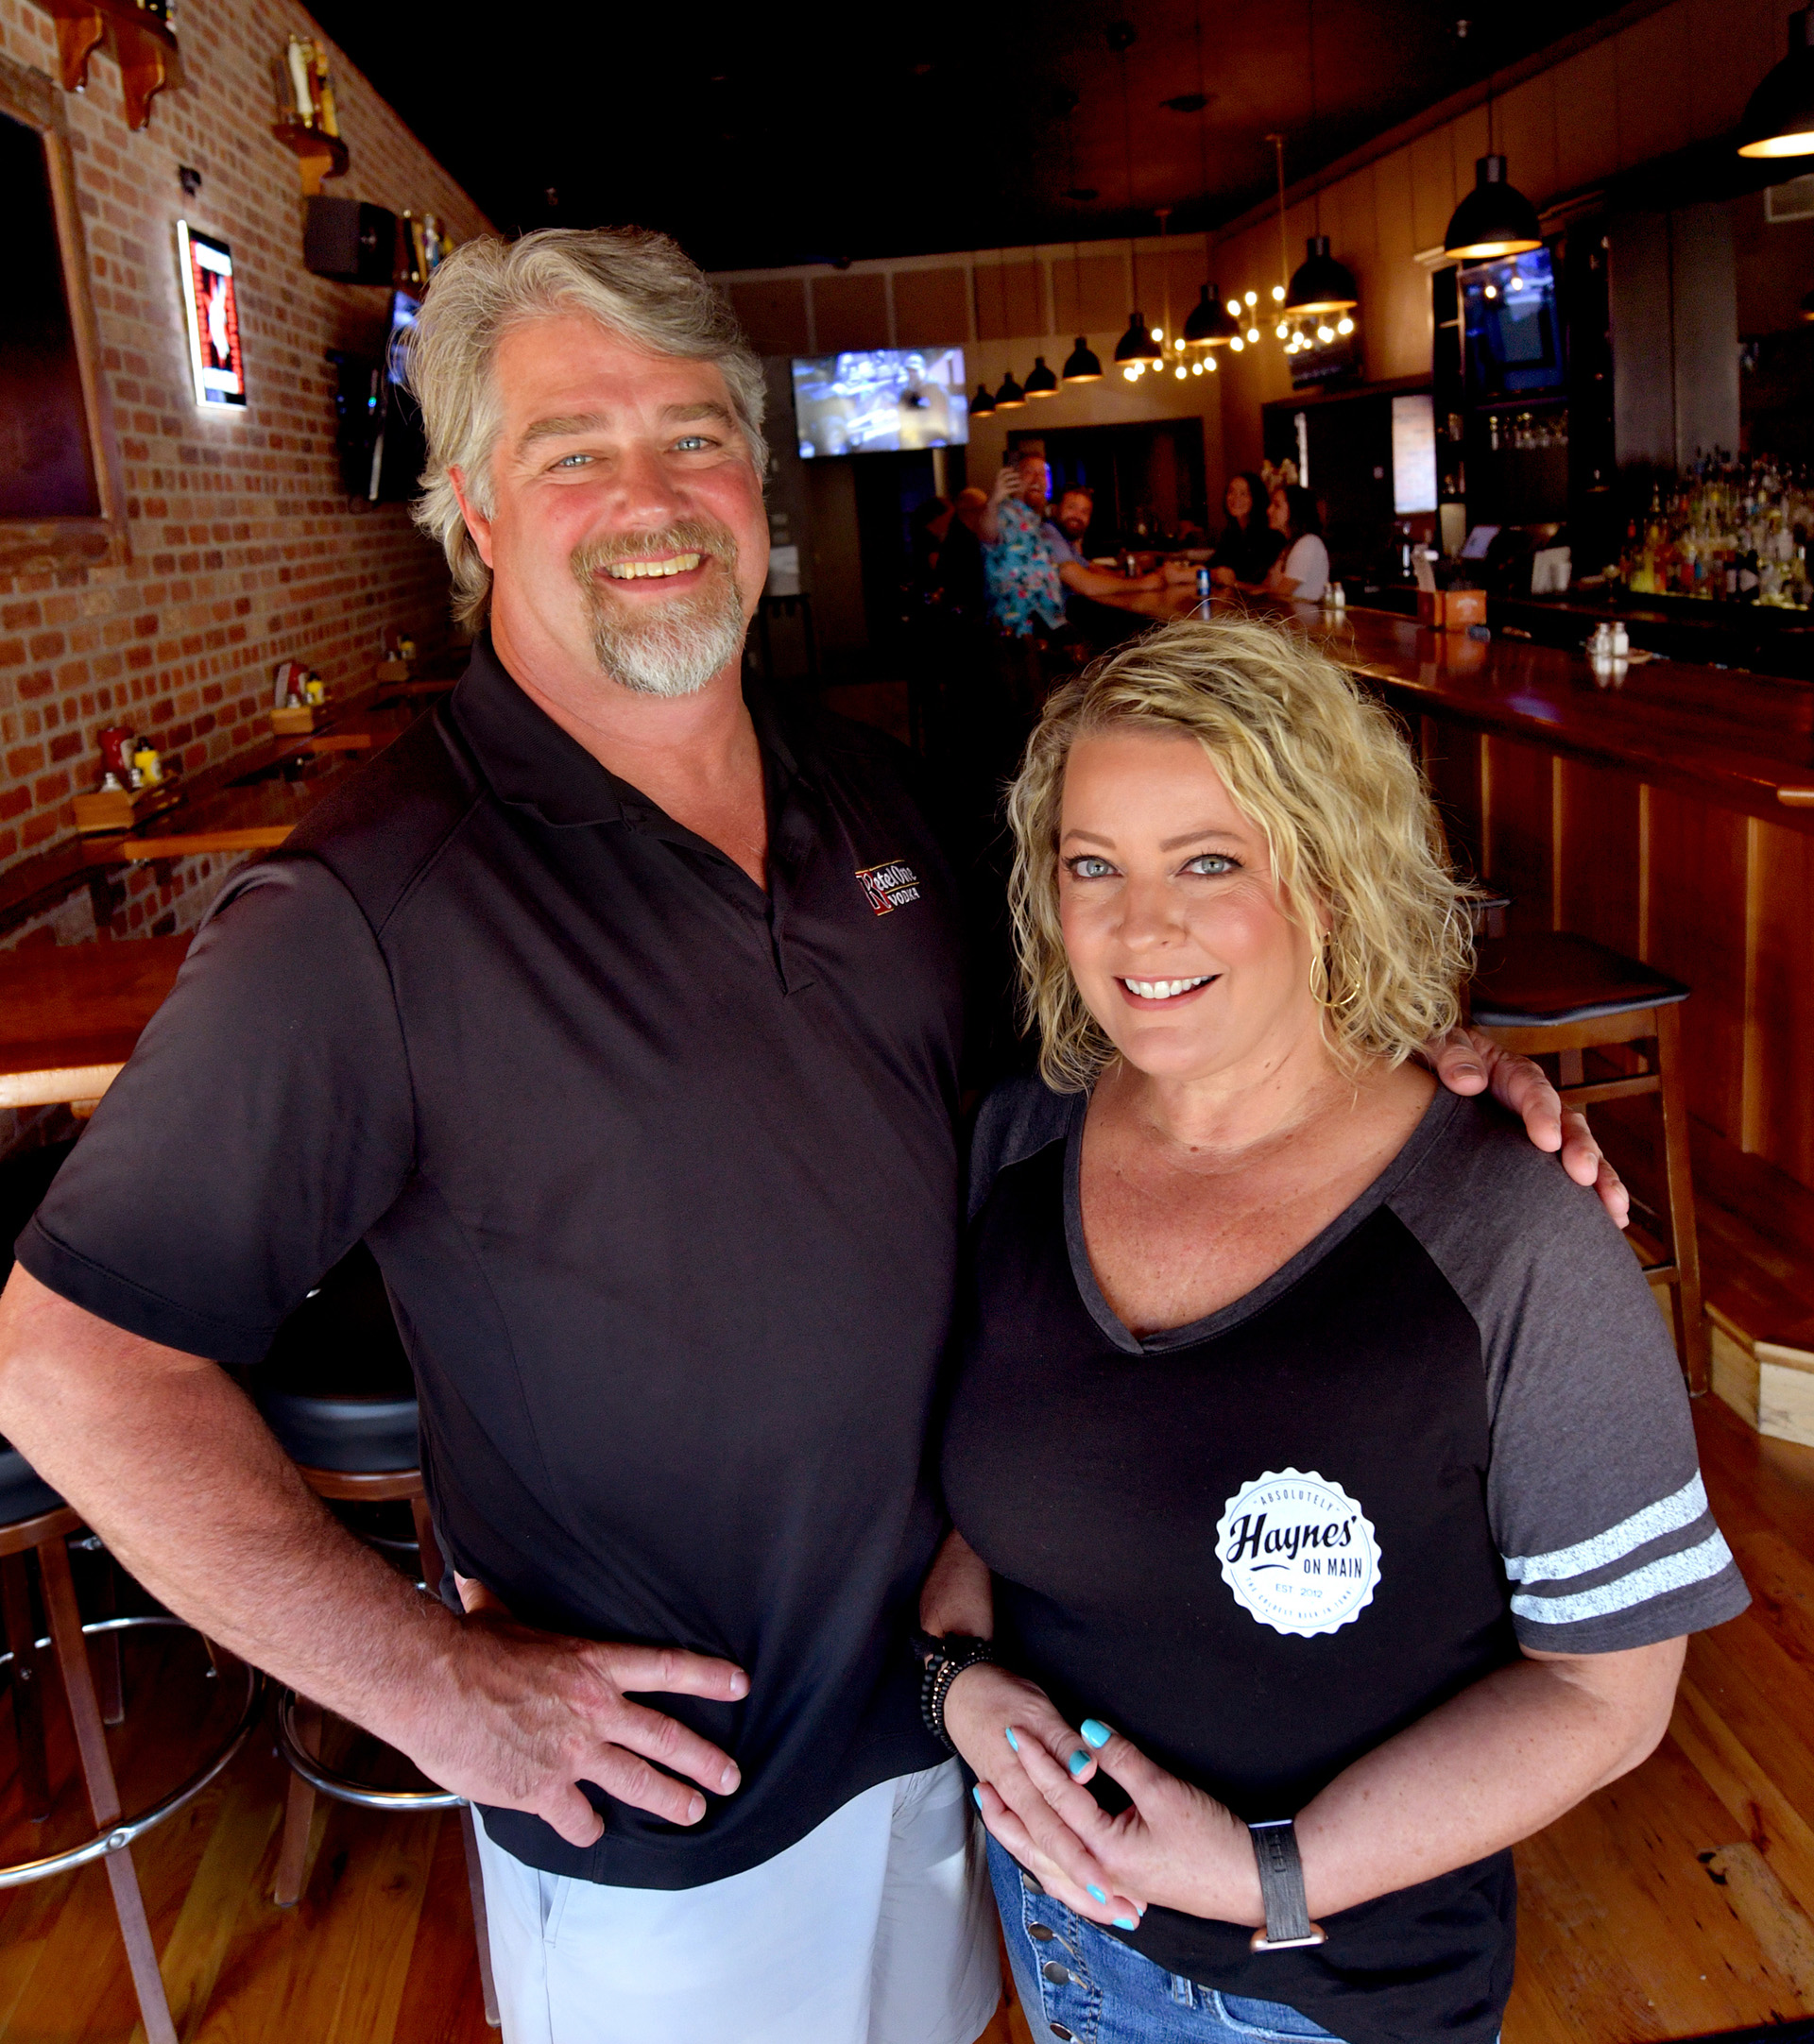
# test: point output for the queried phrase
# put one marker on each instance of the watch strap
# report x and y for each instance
(1281, 1888)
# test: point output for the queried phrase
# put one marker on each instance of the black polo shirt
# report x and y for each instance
(661, 1172)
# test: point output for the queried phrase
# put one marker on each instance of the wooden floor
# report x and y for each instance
(1679, 1901)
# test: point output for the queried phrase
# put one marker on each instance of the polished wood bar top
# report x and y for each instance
(1745, 741)
(70, 1014)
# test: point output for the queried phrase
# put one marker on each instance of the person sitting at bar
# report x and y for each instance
(1322, 1470)
(1248, 545)
(1068, 526)
(1027, 577)
(1301, 570)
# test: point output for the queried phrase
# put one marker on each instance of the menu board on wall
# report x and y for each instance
(211, 313)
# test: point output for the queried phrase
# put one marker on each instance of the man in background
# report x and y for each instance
(1029, 580)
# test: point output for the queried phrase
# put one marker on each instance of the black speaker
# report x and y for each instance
(351, 242)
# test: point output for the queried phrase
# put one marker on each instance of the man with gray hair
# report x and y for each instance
(619, 1016)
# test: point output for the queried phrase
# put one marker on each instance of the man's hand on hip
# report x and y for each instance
(525, 1715)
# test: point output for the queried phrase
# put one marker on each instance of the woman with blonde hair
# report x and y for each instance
(1328, 1509)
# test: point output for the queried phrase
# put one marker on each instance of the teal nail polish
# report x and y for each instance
(1012, 1740)
(1095, 1731)
(1096, 1895)
(1125, 1923)
(976, 1797)
(1078, 1760)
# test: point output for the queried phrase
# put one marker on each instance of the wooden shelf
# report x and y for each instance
(144, 48)
(319, 154)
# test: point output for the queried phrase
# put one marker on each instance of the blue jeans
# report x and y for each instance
(1077, 1982)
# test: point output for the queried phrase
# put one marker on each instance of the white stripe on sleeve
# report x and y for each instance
(1674, 1572)
(1668, 1515)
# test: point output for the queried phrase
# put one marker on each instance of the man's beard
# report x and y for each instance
(677, 650)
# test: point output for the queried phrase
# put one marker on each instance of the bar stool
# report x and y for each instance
(337, 1391)
(34, 1522)
(1553, 994)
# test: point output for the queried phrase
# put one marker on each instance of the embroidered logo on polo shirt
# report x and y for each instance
(1298, 1553)
(890, 887)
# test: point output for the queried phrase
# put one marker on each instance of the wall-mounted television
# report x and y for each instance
(1513, 334)
(881, 401)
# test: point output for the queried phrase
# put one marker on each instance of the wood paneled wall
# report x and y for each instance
(1676, 76)
(1721, 901)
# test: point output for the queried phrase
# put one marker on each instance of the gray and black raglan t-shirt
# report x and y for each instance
(1260, 1544)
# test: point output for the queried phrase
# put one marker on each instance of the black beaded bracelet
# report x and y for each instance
(943, 1660)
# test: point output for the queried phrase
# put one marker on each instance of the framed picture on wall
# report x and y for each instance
(211, 313)
(61, 497)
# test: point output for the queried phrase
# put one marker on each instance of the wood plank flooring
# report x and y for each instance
(1678, 1902)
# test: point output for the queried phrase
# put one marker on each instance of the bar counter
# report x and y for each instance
(1672, 818)
(1743, 740)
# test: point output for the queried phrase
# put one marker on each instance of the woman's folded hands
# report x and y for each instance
(1172, 1843)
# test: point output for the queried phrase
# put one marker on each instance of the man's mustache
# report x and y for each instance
(686, 536)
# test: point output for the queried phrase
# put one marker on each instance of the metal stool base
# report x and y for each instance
(118, 1837)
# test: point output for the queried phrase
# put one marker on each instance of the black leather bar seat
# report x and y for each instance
(337, 1387)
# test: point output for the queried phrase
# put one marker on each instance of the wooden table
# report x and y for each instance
(271, 789)
(70, 1014)
(222, 808)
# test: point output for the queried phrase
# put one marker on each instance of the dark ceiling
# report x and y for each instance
(764, 137)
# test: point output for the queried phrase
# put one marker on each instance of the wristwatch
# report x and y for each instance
(943, 1661)
(1281, 1888)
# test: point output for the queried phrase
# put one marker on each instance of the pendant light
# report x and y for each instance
(1320, 283)
(1136, 345)
(1210, 324)
(1779, 116)
(1082, 365)
(982, 405)
(1042, 383)
(1010, 398)
(1494, 219)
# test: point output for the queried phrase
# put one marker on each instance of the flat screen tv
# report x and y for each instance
(398, 449)
(1513, 334)
(881, 402)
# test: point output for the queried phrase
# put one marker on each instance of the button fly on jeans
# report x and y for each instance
(1043, 1932)
(1060, 1976)
(1058, 2030)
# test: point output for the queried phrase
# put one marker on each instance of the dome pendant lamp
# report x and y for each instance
(1010, 398)
(1779, 117)
(1209, 324)
(1137, 344)
(982, 404)
(1042, 383)
(1320, 283)
(1081, 365)
(1494, 219)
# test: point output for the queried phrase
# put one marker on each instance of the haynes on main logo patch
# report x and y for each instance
(890, 887)
(1298, 1553)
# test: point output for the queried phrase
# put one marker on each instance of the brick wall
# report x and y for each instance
(243, 549)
